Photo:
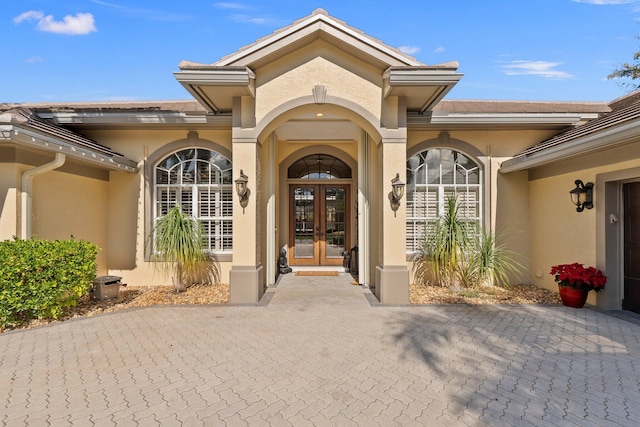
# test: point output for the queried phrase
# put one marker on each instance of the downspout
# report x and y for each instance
(27, 183)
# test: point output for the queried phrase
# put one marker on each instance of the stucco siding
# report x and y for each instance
(295, 75)
(136, 144)
(9, 196)
(499, 143)
(66, 205)
(510, 213)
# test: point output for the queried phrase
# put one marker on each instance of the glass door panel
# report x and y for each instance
(304, 245)
(335, 222)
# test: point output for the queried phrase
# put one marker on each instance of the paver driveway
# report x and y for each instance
(320, 354)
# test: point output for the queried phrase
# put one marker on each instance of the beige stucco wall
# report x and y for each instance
(392, 160)
(376, 204)
(69, 201)
(9, 195)
(66, 205)
(498, 143)
(295, 75)
(559, 234)
(136, 144)
(508, 197)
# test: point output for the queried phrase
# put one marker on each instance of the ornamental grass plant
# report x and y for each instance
(458, 252)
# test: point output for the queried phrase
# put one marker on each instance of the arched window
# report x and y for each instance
(432, 175)
(319, 166)
(200, 181)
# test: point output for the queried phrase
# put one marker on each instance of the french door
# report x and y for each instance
(318, 224)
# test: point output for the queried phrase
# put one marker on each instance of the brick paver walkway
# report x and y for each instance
(319, 354)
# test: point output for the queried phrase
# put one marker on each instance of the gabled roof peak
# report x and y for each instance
(320, 11)
(318, 24)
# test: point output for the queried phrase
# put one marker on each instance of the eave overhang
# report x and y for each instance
(423, 86)
(591, 143)
(139, 120)
(216, 86)
(17, 129)
(442, 119)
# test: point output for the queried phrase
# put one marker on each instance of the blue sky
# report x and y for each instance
(107, 50)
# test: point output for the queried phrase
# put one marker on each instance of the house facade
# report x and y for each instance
(321, 120)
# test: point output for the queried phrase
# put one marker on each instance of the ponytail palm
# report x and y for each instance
(177, 242)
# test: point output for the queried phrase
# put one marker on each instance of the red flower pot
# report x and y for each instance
(572, 297)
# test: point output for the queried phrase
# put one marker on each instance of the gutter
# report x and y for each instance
(26, 137)
(27, 184)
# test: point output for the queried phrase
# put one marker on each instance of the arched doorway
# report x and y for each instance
(319, 210)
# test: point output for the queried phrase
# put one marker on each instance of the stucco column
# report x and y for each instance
(246, 279)
(9, 183)
(392, 274)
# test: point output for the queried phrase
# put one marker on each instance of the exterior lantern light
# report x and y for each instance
(397, 192)
(242, 190)
(582, 195)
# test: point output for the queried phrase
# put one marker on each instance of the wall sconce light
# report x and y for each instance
(582, 195)
(242, 190)
(397, 192)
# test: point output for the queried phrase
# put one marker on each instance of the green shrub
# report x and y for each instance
(38, 278)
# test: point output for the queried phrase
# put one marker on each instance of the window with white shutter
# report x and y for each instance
(432, 176)
(200, 182)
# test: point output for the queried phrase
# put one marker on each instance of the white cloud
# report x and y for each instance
(230, 6)
(150, 14)
(34, 60)
(250, 19)
(27, 16)
(543, 69)
(409, 50)
(104, 3)
(80, 24)
(260, 20)
(439, 49)
(606, 2)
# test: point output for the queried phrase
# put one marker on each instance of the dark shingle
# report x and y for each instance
(623, 113)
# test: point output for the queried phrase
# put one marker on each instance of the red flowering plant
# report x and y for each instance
(579, 277)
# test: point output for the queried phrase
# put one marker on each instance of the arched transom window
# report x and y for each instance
(432, 176)
(200, 181)
(319, 166)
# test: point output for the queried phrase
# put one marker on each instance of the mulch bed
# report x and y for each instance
(131, 297)
(516, 294)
